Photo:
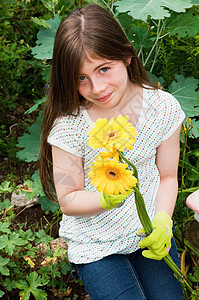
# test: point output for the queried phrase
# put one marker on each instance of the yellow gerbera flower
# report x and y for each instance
(104, 155)
(111, 176)
(118, 133)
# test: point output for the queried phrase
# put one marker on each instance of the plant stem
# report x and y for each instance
(148, 228)
(193, 169)
(129, 163)
(159, 31)
(190, 190)
(182, 184)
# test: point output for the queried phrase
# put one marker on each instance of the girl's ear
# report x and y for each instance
(128, 61)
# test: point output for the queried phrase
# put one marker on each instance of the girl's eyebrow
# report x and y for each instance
(100, 66)
(107, 62)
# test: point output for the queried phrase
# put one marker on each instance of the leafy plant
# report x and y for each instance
(45, 39)
(165, 36)
(157, 10)
(30, 286)
(30, 142)
(27, 263)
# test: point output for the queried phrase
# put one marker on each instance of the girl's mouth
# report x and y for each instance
(105, 98)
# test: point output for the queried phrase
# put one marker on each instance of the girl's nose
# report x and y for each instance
(98, 86)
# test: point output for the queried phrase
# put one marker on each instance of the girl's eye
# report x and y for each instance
(82, 78)
(103, 70)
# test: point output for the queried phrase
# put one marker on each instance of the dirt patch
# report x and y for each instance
(34, 218)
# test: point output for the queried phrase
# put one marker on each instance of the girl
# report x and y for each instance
(97, 74)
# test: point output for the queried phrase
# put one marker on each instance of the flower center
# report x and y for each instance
(112, 174)
(112, 135)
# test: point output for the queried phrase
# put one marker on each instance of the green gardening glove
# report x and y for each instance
(113, 201)
(159, 241)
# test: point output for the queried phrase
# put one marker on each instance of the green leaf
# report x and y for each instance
(58, 252)
(1, 293)
(40, 22)
(48, 205)
(9, 243)
(125, 20)
(184, 91)
(26, 235)
(21, 284)
(184, 24)
(35, 186)
(157, 80)
(157, 9)
(4, 227)
(31, 287)
(65, 267)
(5, 205)
(45, 39)
(3, 266)
(3, 241)
(42, 237)
(50, 5)
(195, 129)
(13, 241)
(30, 142)
(9, 284)
(35, 106)
(5, 188)
(139, 37)
(55, 272)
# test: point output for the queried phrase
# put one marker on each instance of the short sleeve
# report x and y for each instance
(172, 114)
(66, 134)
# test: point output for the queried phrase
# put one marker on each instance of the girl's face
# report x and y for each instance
(104, 82)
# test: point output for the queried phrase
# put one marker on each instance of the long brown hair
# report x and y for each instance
(89, 29)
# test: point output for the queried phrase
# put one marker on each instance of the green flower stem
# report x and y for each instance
(147, 225)
(190, 190)
(142, 213)
(129, 163)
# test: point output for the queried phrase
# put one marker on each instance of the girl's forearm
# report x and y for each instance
(81, 203)
(167, 194)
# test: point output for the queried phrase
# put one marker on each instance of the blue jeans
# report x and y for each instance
(130, 277)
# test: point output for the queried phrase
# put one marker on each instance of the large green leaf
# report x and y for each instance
(139, 37)
(195, 129)
(35, 106)
(184, 91)
(125, 20)
(184, 24)
(157, 9)
(45, 39)
(40, 22)
(48, 205)
(30, 143)
(31, 287)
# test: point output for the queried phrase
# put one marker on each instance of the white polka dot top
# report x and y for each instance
(92, 238)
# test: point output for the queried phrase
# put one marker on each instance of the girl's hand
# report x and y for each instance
(159, 241)
(113, 201)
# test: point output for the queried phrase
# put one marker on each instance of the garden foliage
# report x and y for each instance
(166, 37)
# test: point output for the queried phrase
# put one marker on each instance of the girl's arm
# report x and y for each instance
(69, 183)
(167, 163)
